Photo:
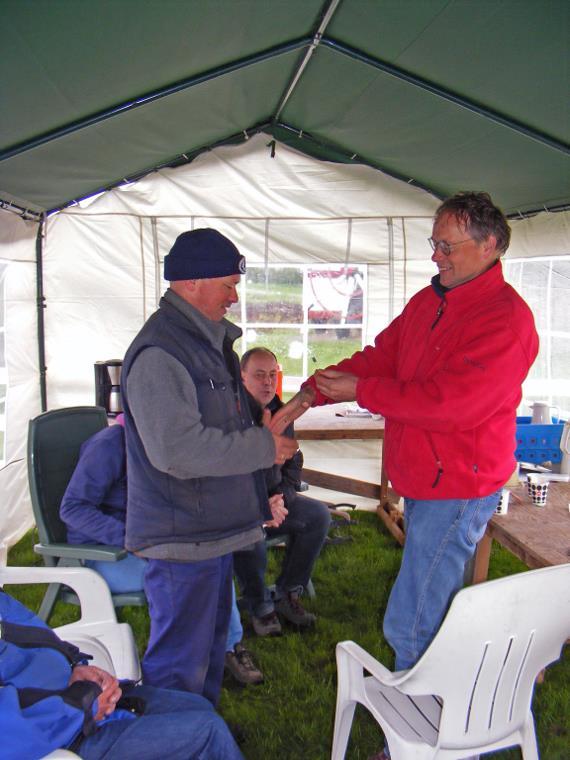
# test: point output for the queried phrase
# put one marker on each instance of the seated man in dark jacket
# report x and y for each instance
(50, 699)
(306, 524)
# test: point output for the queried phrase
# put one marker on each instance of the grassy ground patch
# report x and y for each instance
(290, 716)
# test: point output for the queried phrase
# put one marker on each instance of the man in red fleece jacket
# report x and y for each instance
(446, 374)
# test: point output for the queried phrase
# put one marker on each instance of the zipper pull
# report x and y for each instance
(439, 474)
(439, 313)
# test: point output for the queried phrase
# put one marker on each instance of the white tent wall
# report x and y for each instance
(103, 262)
(19, 370)
(100, 285)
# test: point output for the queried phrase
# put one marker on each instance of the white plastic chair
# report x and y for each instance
(98, 632)
(472, 689)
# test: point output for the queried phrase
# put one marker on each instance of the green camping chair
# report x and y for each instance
(54, 441)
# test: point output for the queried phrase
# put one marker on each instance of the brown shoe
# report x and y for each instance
(291, 609)
(268, 625)
(242, 667)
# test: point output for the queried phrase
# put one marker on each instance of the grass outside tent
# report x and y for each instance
(290, 716)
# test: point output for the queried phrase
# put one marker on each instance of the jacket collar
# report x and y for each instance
(214, 332)
(485, 285)
(255, 406)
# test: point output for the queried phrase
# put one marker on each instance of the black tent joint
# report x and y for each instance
(26, 214)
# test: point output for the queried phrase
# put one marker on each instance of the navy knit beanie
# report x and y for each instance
(201, 254)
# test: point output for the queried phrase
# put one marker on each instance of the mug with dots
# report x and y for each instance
(503, 505)
(537, 489)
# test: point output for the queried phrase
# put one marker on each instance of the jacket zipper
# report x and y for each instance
(439, 474)
(439, 313)
(437, 461)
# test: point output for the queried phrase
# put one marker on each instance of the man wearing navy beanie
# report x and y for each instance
(194, 456)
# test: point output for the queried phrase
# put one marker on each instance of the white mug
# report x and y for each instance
(503, 505)
(541, 413)
(565, 448)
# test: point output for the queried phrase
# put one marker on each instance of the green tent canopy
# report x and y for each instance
(444, 94)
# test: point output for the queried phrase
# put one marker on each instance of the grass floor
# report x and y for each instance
(290, 716)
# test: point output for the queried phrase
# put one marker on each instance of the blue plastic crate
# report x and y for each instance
(538, 443)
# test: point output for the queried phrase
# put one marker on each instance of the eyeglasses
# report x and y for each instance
(445, 247)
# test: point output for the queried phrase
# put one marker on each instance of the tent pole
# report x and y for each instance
(40, 306)
(441, 92)
(327, 16)
(151, 97)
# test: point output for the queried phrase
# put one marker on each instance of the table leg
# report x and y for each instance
(383, 485)
(482, 556)
(385, 507)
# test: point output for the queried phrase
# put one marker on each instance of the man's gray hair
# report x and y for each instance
(480, 217)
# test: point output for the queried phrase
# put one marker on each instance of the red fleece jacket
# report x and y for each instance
(446, 374)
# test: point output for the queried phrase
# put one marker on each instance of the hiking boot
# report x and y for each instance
(242, 667)
(290, 607)
(268, 625)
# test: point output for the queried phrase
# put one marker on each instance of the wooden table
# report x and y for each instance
(326, 423)
(539, 536)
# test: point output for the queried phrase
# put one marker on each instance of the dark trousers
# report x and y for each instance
(189, 605)
(306, 526)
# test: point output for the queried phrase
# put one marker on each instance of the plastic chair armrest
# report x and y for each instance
(82, 551)
(375, 668)
(90, 587)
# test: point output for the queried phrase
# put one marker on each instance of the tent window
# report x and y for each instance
(309, 316)
(545, 286)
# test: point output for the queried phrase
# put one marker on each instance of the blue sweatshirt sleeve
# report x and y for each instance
(93, 506)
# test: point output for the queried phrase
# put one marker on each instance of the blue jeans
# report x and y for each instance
(235, 630)
(175, 724)
(123, 576)
(189, 605)
(306, 526)
(441, 537)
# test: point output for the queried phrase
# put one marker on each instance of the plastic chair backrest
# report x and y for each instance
(54, 441)
(483, 662)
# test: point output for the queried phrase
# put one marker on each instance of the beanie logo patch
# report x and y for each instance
(241, 265)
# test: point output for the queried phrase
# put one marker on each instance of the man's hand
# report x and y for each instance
(292, 410)
(110, 689)
(277, 507)
(338, 386)
(284, 447)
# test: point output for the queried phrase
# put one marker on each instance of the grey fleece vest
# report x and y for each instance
(162, 509)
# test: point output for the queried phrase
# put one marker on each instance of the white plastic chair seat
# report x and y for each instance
(414, 718)
(471, 691)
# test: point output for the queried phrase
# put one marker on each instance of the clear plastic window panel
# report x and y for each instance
(545, 286)
(309, 317)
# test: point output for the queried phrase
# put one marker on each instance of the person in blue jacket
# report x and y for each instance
(50, 698)
(94, 505)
